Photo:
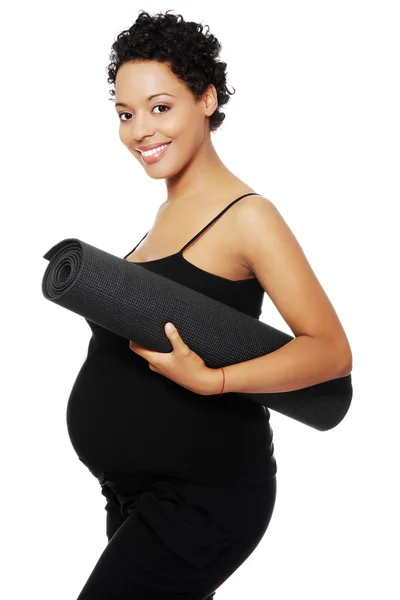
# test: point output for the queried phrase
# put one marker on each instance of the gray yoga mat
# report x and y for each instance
(135, 303)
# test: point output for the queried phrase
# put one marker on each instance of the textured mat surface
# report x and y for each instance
(135, 303)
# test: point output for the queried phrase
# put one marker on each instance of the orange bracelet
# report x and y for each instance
(223, 381)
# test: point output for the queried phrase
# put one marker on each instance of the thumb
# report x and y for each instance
(169, 328)
(177, 342)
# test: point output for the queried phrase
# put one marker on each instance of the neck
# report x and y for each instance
(201, 180)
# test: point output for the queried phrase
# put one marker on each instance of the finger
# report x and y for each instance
(171, 334)
(177, 342)
(140, 350)
(174, 337)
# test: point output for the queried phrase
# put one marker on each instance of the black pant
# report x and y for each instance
(171, 539)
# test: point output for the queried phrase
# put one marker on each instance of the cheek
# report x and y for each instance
(195, 130)
(185, 133)
(124, 136)
(178, 124)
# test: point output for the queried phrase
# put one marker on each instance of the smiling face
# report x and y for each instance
(172, 116)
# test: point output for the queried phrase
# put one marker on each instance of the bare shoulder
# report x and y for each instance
(257, 216)
(271, 250)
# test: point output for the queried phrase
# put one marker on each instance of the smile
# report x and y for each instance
(154, 155)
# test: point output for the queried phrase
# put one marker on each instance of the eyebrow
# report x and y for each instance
(149, 98)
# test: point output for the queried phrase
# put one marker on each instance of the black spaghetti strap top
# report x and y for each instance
(123, 417)
(244, 294)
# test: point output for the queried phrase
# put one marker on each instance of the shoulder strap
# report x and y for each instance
(204, 228)
(215, 218)
(136, 245)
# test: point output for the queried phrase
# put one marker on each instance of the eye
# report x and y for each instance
(157, 106)
(162, 106)
(120, 115)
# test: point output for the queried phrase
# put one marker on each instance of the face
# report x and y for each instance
(172, 117)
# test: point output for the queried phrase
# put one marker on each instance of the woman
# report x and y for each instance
(186, 464)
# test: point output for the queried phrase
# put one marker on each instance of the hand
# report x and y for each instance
(182, 365)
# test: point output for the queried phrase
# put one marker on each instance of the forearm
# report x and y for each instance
(302, 362)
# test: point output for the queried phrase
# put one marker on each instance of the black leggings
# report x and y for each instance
(171, 539)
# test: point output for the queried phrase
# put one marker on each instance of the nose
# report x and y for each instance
(141, 129)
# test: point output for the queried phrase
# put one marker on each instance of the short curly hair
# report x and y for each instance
(191, 54)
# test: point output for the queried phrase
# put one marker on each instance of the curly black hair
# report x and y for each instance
(191, 54)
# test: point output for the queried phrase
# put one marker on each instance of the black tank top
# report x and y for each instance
(121, 416)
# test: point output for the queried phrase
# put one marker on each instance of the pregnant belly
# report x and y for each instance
(122, 416)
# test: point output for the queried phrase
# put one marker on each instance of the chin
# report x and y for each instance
(158, 176)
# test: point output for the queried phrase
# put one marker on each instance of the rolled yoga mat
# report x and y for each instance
(135, 303)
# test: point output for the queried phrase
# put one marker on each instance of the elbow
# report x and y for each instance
(345, 364)
(343, 358)
(346, 371)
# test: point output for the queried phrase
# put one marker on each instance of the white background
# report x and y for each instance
(314, 127)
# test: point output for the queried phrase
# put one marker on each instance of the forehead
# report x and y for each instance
(141, 79)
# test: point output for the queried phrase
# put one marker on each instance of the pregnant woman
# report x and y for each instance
(187, 465)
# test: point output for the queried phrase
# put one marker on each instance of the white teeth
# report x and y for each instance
(154, 151)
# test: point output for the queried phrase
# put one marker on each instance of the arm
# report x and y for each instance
(320, 350)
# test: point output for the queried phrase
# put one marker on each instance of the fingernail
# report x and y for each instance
(169, 327)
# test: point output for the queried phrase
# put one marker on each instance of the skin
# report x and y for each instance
(199, 186)
(251, 239)
(198, 183)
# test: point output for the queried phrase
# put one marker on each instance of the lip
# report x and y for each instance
(149, 160)
(150, 146)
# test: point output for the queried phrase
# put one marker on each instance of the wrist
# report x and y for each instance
(214, 382)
